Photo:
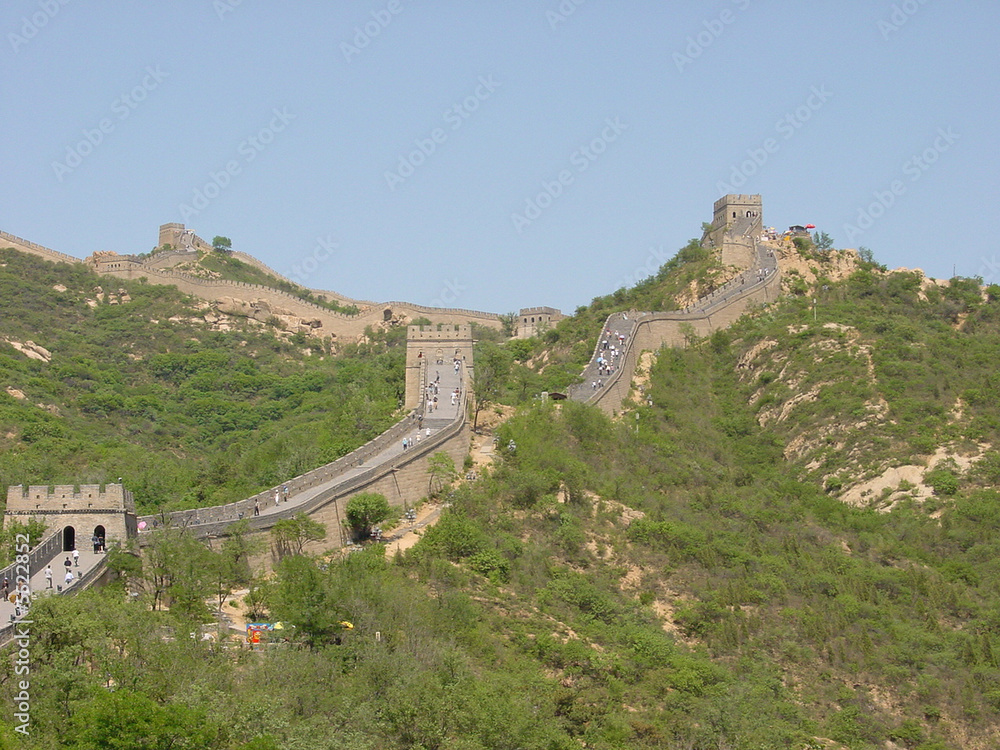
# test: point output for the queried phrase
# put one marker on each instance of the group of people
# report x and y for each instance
(432, 395)
(69, 565)
(612, 346)
(408, 442)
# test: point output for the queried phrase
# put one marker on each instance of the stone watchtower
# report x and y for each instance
(533, 321)
(738, 214)
(434, 343)
(181, 238)
(80, 514)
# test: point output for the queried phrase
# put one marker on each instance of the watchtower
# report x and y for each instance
(181, 238)
(442, 343)
(81, 513)
(533, 321)
(741, 214)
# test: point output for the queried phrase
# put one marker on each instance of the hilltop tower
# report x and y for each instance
(180, 238)
(80, 513)
(737, 213)
(533, 321)
(433, 344)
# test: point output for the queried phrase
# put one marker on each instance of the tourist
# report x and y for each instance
(76, 557)
(48, 576)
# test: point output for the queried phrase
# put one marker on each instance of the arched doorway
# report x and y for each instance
(69, 539)
(98, 538)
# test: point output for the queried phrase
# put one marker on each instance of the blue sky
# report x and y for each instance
(499, 155)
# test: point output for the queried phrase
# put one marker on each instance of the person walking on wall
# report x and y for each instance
(48, 576)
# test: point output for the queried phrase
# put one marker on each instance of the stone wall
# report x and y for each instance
(84, 509)
(428, 344)
(656, 330)
(403, 481)
(10, 240)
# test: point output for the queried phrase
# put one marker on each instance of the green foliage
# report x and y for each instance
(441, 472)
(292, 534)
(187, 416)
(823, 241)
(228, 267)
(493, 365)
(222, 244)
(364, 511)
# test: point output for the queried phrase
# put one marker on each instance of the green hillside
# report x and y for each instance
(224, 266)
(689, 575)
(145, 390)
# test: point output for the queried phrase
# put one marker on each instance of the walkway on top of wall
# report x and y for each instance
(442, 416)
(271, 508)
(624, 324)
(91, 565)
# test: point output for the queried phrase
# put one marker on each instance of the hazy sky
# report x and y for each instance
(497, 155)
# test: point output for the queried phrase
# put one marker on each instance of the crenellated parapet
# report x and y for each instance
(82, 511)
(438, 344)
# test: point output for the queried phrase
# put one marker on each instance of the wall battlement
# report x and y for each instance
(736, 209)
(532, 321)
(78, 512)
(436, 344)
(69, 498)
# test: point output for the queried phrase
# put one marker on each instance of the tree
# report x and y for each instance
(364, 511)
(237, 548)
(441, 470)
(222, 244)
(493, 365)
(129, 719)
(291, 534)
(177, 567)
(823, 241)
(508, 324)
(301, 595)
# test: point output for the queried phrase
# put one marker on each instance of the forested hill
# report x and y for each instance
(787, 540)
(189, 406)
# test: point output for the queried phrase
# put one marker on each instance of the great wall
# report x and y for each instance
(383, 465)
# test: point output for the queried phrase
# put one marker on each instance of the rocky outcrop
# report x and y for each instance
(264, 311)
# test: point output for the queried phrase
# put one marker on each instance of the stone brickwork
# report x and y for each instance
(11, 240)
(736, 210)
(331, 324)
(434, 344)
(532, 321)
(655, 330)
(81, 512)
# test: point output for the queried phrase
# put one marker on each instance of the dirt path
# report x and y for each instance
(403, 537)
